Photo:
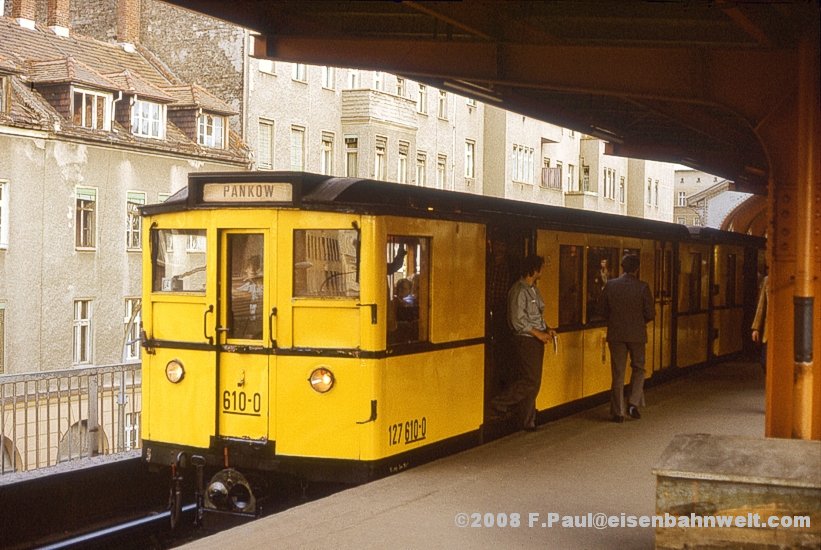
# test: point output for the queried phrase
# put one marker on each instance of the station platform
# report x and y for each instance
(575, 466)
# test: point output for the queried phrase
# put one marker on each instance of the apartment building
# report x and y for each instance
(703, 199)
(89, 131)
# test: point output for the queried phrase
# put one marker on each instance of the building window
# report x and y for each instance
(441, 171)
(470, 102)
(297, 148)
(422, 100)
(648, 197)
(682, 198)
(682, 220)
(402, 165)
(211, 131)
(91, 109)
(379, 81)
(571, 175)
(443, 105)
(353, 79)
(522, 164)
(656, 193)
(621, 190)
(326, 161)
(400, 86)
(300, 72)
(351, 156)
(421, 169)
(82, 332)
(148, 119)
(132, 329)
(133, 230)
(380, 170)
(267, 66)
(696, 221)
(265, 145)
(86, 217)
(4, 214)
(328, 78)
(470, 159)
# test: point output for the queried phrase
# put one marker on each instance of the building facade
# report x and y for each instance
(89, 131)
(703, 199)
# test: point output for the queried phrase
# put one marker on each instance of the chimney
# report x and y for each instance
(128, 21)
(59, 18)
(25, 12)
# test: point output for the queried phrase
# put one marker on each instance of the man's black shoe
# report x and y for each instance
(618, 419)
(633, 411)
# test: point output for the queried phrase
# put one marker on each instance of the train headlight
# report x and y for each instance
(174, 371)
(322, 380)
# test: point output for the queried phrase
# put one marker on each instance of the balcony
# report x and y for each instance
(364, 106)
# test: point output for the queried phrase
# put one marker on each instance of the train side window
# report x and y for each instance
(408, 289)
(325, 263)
(730, 286)
(570, 285)
(602, 265)
(690, 284)
(178, 260)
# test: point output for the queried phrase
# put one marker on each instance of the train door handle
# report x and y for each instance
(205, 324)
(271, 327)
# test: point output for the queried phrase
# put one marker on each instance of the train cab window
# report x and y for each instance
(570, 285)
(326, 263)
(408, 289)
(178, 260)
(602, 265)
(246, 272)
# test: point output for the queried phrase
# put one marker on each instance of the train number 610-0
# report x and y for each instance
(239, 401)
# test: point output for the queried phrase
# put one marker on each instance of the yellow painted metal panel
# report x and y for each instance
(692, 335)
(180, 322)
(425, 398)
(562, 375)
(320, 326)
(182, 413)
(243, 396)
(596, 362)
(727, 321)
(321, 425)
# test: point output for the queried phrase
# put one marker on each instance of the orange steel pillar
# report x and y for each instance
(792, 138)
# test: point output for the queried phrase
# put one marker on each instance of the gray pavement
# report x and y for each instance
(574, 466)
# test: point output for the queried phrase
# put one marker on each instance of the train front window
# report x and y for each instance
(326, 263)
(246, 271)
(570, 285)
(178, 260)
(408, 260)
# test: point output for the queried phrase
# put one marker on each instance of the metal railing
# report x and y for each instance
(56, 416)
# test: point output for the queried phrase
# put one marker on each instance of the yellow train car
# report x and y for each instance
(345, 329)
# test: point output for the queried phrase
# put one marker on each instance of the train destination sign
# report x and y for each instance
(247, 192)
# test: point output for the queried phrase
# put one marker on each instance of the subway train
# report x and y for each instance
(344, 329)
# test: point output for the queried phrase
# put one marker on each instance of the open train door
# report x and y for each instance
(245, 337)
(663, 295)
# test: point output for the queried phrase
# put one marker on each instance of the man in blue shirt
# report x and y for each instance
(530, 333)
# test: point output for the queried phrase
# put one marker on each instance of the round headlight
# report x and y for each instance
(174, 371)
(322, 380)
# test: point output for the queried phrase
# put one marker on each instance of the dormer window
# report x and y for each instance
(91, 109)
(148, 119)
(211, 130)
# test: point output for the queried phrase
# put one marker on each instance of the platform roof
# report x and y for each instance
(676, 81)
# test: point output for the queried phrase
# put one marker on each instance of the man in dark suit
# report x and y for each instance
(627, 305)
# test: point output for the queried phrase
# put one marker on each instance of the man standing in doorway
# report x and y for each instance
(627, 305)
(530, 334)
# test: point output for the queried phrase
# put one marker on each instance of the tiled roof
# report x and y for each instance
(130, 82)
(68, 70)
(192, 95)
(41, 57)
